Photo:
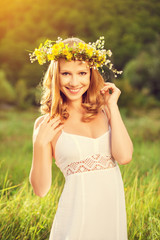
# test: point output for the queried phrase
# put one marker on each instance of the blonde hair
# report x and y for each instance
(54, 102)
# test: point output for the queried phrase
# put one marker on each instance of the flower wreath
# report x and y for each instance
(94, 53)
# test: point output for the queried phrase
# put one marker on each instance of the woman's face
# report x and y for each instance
(74, 78)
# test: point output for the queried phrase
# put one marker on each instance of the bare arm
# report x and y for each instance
(121, 144)
(41, 175)
(41, 170)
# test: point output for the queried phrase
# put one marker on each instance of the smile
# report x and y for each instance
(74, 91)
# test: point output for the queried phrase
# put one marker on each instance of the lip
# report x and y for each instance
(73, 90)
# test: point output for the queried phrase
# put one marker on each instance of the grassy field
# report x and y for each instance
(24, 215)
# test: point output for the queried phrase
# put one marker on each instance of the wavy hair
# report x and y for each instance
(53, 101)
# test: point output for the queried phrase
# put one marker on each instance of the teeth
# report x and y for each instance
(74, 90)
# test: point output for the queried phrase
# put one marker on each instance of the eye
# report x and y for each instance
(65, 73)
(83, 73)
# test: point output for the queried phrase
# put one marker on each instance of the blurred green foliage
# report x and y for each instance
(6, 89)
(21, 92)
(131, 30)
(144, 71)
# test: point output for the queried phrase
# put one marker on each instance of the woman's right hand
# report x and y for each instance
(47, 129)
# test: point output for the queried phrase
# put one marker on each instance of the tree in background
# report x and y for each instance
(143, 72)
(7, 92)
(21, 93)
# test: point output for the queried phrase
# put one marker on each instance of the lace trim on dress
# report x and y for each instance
(94, 162)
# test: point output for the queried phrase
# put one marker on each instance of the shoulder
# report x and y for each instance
(39, 120)
(36, 125)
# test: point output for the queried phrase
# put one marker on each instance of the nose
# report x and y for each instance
(74, 81)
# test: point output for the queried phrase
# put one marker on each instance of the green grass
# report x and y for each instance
(23, 215)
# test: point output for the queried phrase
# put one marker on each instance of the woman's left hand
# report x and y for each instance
(110, 99)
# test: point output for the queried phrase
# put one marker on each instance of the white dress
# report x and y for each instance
(92, 203)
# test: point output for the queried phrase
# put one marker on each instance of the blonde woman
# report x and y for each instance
(83, 131)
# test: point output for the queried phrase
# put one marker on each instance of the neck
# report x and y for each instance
(75, 106)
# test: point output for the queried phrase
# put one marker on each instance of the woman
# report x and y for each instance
(84, 132)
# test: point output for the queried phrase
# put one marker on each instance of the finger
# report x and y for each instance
(107, 83)
(47, 117)
(56, 123)
(57, 129)
(110, 84)
(108, 87)
(54, 119)
(105, 89)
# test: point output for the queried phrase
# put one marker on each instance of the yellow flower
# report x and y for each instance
(97, 52)
(89, 52)
(81, 45)
(40, 60)
(99, 58)
(55, 51)
(61, 44)
(37, 52)
(50, 57)
(56, 46)
(69, 56)
(65, 51)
